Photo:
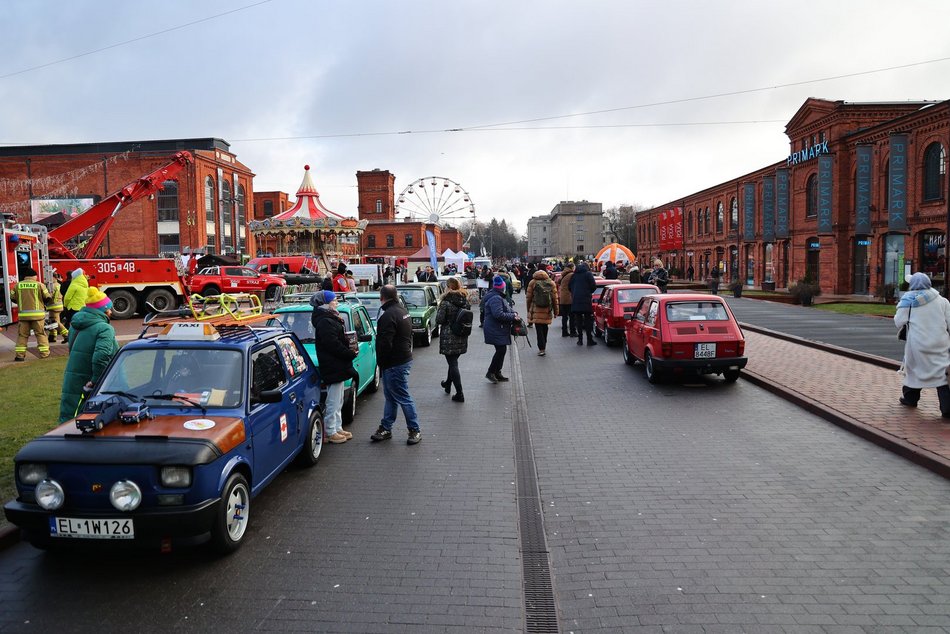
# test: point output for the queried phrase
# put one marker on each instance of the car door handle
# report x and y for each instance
(293, 397)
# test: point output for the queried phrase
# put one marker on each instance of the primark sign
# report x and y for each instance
(807, 154)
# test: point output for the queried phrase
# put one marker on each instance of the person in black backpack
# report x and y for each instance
(541, 295)
(453, 338)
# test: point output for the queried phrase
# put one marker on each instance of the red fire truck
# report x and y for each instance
(21, 247)
(129, 282)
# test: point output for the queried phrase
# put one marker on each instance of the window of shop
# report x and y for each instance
(812, 259)
(733, 263)
(750, 264)
(811, 197)
(894, 259)
(933, 257)
(734, 215)
(935, 171)
(371, 241)
(168, 202)
(719, 217)
(769, 264)
(862, 269)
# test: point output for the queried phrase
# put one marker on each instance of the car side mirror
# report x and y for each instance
(365, 338)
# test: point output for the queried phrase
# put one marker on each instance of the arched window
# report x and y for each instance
(209, 199)
(699, 222)
(734, 215)
(371, 241)
(168, 202)
(719, 218)
(811, 196)
(935, 171)
(689, 224)
(226, 212)
(706, 222)
(240, 200)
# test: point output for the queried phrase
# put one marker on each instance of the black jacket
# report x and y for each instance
(582, 287)
(393, 336)
(334, 355)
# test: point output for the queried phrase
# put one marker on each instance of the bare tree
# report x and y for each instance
(620, 224)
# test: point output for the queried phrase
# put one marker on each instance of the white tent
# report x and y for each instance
(458, 259)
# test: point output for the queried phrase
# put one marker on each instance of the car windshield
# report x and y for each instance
(300, 324)
(414, 297)
(632, 295)
(372, 304)
(210, 377)
(696, 311)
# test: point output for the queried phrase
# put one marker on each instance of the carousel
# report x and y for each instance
(309, 228)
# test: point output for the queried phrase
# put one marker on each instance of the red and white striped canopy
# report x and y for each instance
(308, 203)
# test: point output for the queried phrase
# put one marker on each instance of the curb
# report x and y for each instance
(9, 537)
(916, 454)
(873, 359)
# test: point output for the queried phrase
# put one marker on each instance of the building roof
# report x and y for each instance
(117, 147)
(308, 203)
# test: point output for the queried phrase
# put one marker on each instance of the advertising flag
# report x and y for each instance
(825, 167)
(897, 184)
(862, 186)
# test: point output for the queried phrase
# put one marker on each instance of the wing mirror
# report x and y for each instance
(270, 396)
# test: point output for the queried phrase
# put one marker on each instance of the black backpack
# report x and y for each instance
(461, 326)
(542, 294)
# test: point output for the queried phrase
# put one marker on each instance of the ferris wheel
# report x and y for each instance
(436, 199)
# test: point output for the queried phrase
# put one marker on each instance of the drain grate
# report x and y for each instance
(540, 607)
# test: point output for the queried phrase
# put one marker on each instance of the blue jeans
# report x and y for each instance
(396, 391)
(333, 419)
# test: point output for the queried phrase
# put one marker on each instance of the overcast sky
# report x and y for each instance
(310, 68)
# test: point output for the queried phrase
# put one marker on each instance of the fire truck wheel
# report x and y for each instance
(162, 299)
(123, 304)
(210, 290)
(271, 292)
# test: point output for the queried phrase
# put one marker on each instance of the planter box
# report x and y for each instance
(768, 286)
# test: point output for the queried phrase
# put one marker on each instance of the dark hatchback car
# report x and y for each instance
(684, 335)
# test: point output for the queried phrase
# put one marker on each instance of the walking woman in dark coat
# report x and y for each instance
(451, 345)
(498, 318)
(582, 308)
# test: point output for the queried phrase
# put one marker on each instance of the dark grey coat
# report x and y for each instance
(449, 342)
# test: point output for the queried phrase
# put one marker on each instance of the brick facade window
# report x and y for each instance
(706, 221)
(240, 200)
(935, 171)
(719, 217)
(390, 240)
(227, 209)
(811, 197)
(168, 243)
(268, 208)
(734, 215)
(209, 199)
(379, 205)
(689, 224)
(168, 202)
(371, 241)
(408, 239)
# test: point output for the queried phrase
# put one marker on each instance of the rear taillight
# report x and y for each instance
(740, 348)
(667, 348)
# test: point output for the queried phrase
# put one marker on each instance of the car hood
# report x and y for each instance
(224, 432)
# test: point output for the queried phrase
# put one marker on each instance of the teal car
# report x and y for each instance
(356, 323)
(421, 303)
(370, 300)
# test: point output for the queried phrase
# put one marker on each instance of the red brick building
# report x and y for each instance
(270, 204)
(861, 197)
(385, 236)
(206, 208)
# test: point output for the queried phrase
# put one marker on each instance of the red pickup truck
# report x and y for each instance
(214, 280)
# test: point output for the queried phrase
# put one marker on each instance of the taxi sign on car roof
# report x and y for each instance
(189, 331)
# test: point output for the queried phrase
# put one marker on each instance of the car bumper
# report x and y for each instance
(700, 366)
(615, 333)
(181, 524)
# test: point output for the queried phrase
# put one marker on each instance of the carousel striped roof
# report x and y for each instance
(308, 203)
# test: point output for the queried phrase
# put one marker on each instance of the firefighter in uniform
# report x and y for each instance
(31, 297)
(55, 308)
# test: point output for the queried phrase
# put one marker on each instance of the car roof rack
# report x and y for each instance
(238, 310)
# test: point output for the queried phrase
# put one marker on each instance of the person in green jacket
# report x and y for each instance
(75, 297)
(92, 344)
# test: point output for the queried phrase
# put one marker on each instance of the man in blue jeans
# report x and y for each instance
(394, 357)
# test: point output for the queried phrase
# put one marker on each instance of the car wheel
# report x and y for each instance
(313, 445)
(731, 376)
(373, 387)
(271, 292)
(123, 304)
(653, 375)
(628, 358)
(210, 290)
(162, 299)
(349, 404)
(609, 339)
(230, 525)
(436, 331)
(426, 339)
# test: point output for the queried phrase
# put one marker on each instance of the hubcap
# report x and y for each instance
(237, 512)
(316, 439)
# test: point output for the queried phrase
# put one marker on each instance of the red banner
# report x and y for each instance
(671, 229)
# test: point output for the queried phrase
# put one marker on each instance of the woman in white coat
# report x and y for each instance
(927, 348)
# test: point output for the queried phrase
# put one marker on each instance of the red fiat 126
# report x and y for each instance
(617, 305)
(682, 335)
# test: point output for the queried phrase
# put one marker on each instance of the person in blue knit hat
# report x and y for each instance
(498, 318)
(335, 358)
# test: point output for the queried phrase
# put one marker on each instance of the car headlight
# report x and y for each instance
(125, 495)
(416, 321)
(31, 473)
(49, 495)
(176, 477)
